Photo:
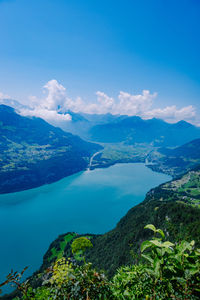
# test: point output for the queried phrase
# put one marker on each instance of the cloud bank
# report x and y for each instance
(56, 105)
(3, 96)
(51, 107)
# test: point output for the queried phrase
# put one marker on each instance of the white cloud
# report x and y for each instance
(105, 103)
(134, 104)
(55, 106)
(172, 113)
(52, 107)
(55, 95)
(76, 105)
(126, 104)
(46, 114)
(3, 96)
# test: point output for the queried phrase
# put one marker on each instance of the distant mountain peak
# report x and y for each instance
(137, 130)
(184, 124)
(13, 103)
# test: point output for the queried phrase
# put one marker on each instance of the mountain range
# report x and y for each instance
(79, 124)
(34, 152)
(131, 130)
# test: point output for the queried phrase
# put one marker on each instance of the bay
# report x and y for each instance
(87, 202)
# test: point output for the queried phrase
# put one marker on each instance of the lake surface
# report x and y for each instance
(87, 202)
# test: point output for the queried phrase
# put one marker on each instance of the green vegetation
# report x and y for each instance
(80, 244)
(58, 252)
(34, 153)
(166, 207)
(79, 247)
(187, 188)
(61, 247)
(176, 161)
(121, 153)
(137, 262)
(164, 270)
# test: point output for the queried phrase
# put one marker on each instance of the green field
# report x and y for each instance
(121, 153)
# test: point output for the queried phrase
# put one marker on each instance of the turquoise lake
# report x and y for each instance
(87, 202)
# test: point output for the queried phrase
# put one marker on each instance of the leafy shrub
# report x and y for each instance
(69, 281)
(79, 247)
(62, 272)
(168, 271)
(130, 282)
(81, 244)
(80, 283)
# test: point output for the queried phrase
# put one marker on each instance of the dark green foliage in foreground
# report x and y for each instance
(66, 281)
(164, 271)
(61, 247)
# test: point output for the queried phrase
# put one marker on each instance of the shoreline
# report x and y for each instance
(118, 218)
(91, 168)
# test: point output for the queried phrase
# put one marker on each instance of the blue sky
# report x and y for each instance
(91, 46)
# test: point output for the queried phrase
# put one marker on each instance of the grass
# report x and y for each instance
(121, 151)
(187, 188)
(58, 253)
(192, 186)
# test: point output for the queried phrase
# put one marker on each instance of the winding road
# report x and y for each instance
(92, 157)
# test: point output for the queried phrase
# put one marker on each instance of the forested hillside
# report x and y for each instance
(134, 129)
(174, 207)
(34, 153)
(176, 161)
